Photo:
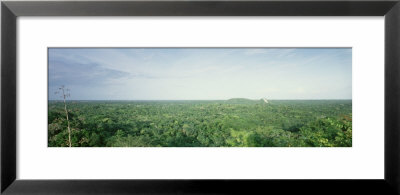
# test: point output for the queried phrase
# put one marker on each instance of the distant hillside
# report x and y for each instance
(245, 101)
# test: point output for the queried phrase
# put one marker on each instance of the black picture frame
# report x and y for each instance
(11, 10)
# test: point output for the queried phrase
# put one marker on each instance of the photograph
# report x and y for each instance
(199, 97)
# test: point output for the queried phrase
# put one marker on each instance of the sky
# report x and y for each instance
(200, 73)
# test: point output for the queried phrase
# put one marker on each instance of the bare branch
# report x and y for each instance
(64, 95)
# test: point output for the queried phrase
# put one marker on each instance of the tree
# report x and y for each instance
(65, 94)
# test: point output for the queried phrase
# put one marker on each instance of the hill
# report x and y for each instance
(244, 101)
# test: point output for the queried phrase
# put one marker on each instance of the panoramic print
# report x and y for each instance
(199, 97)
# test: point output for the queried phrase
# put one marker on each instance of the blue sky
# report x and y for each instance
(201, 73)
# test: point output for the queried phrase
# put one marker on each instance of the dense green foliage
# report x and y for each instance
(235, 122)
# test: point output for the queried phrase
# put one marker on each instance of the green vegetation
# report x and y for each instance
(231, 123)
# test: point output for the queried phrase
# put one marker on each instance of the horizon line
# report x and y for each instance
(184, 99)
